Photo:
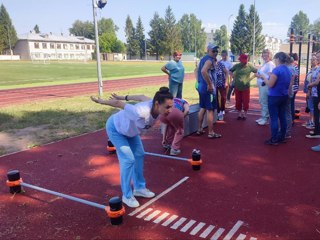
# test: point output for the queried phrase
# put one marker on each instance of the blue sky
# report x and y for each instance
(58, 15)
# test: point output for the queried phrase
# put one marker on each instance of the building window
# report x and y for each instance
(92, 46)
(71, 56)
(65, 46)
(66, 56)
(58, 46)
(59, 55)
(44, 45)
(36, 45)
(52, 45)
(88, 47)
(71, 46)
(83, 47)
(77, 46)
(53, 56)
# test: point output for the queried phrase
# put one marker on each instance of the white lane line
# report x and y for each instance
(207, 231)
(159, 196)
(187, 226)
(160, 218)
(217, 234)
(233, 230)
(197, 228)
(178, 223)
(241, 237)
(253, 238)
(144, 213)
(152, 215)
(170, 220)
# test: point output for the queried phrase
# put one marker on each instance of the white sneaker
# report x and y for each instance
(259, 120)
(220, 116)
(175, 151)
(262, 122)
(146, 193)
(130, 202)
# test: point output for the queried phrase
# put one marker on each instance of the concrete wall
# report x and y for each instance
(9, 57)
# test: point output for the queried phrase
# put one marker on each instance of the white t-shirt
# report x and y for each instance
(227, 64)
(264, 70)
(134, 118)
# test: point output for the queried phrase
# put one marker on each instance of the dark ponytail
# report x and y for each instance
(283, 58)
(162, 95)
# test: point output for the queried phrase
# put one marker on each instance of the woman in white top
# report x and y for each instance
(265, 70)
(124, 128)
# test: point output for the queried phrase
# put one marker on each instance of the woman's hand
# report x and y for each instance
(96, 100)
(116, 96)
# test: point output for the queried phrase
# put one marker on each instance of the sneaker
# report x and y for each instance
(313, 135)
(166, 146)
(130, 202)
(287, 136)
(311, 132)
(146, 193)
(305, 124)
(270, 142)
(263, 122)
(259, 120)
(316, 148)
(175, 151)
(310, 126)
(220, 116)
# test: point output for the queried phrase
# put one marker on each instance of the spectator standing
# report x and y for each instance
(206, 90)
(278, 84)
(221, 85)
(241, 76)
(265, 69)
(175, 70)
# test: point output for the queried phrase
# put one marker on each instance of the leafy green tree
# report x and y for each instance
(85, 29)
(315, 30)
(156, 35)
(106, 25)
(187, 33)
(140, 37)
(119, 47)
(132, 43)
(36, 29)
(221, 38)
(254, 29)
(8, 34)
(199, 37)
(110, 44)
(300, 22)
(172, 40)
(239, 33)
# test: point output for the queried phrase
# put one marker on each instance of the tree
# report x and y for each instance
(110, 44)
(36, 29)
(8, 34)
(85, 29)
(172, 33)
(254, 29)
(221, 38)
(140, 37)
(199, 38)
(106, 25)
(315, 30)
(156, 35)
(300, 22)
(132, 43)
(239, 33)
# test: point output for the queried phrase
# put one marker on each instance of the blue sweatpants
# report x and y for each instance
(130, 153)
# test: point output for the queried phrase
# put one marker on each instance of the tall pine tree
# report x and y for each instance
(172, 33)
(156, 35)
(239, 33)
(132, 43)
(140, 37)
(254, 29)
(221, 38)
(36, 29)
(8, 34)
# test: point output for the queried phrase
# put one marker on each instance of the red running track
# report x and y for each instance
(245, 189)
(26, 95)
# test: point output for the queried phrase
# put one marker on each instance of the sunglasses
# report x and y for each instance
(215, 51)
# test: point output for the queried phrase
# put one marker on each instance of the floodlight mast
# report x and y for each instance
(95, 5)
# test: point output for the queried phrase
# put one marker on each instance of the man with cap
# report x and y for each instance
(206, 89)
(175, 70)
(241, 76)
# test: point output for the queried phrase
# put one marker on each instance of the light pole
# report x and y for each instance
(254, 31)
(94, 7)
(229, 30)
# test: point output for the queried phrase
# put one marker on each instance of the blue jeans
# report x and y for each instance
(130, 153)
(277, 111)
(175, 89)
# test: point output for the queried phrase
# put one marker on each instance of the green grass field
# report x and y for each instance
(27, 74)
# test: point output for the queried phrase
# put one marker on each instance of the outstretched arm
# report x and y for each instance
(137, 98)
(110, 102)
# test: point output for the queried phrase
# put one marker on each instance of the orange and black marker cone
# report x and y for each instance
(115, 211)
(13, 181)
(196, 160)
(111, 148)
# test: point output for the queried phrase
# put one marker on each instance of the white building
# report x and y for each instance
(33, 46)
(273, 44)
